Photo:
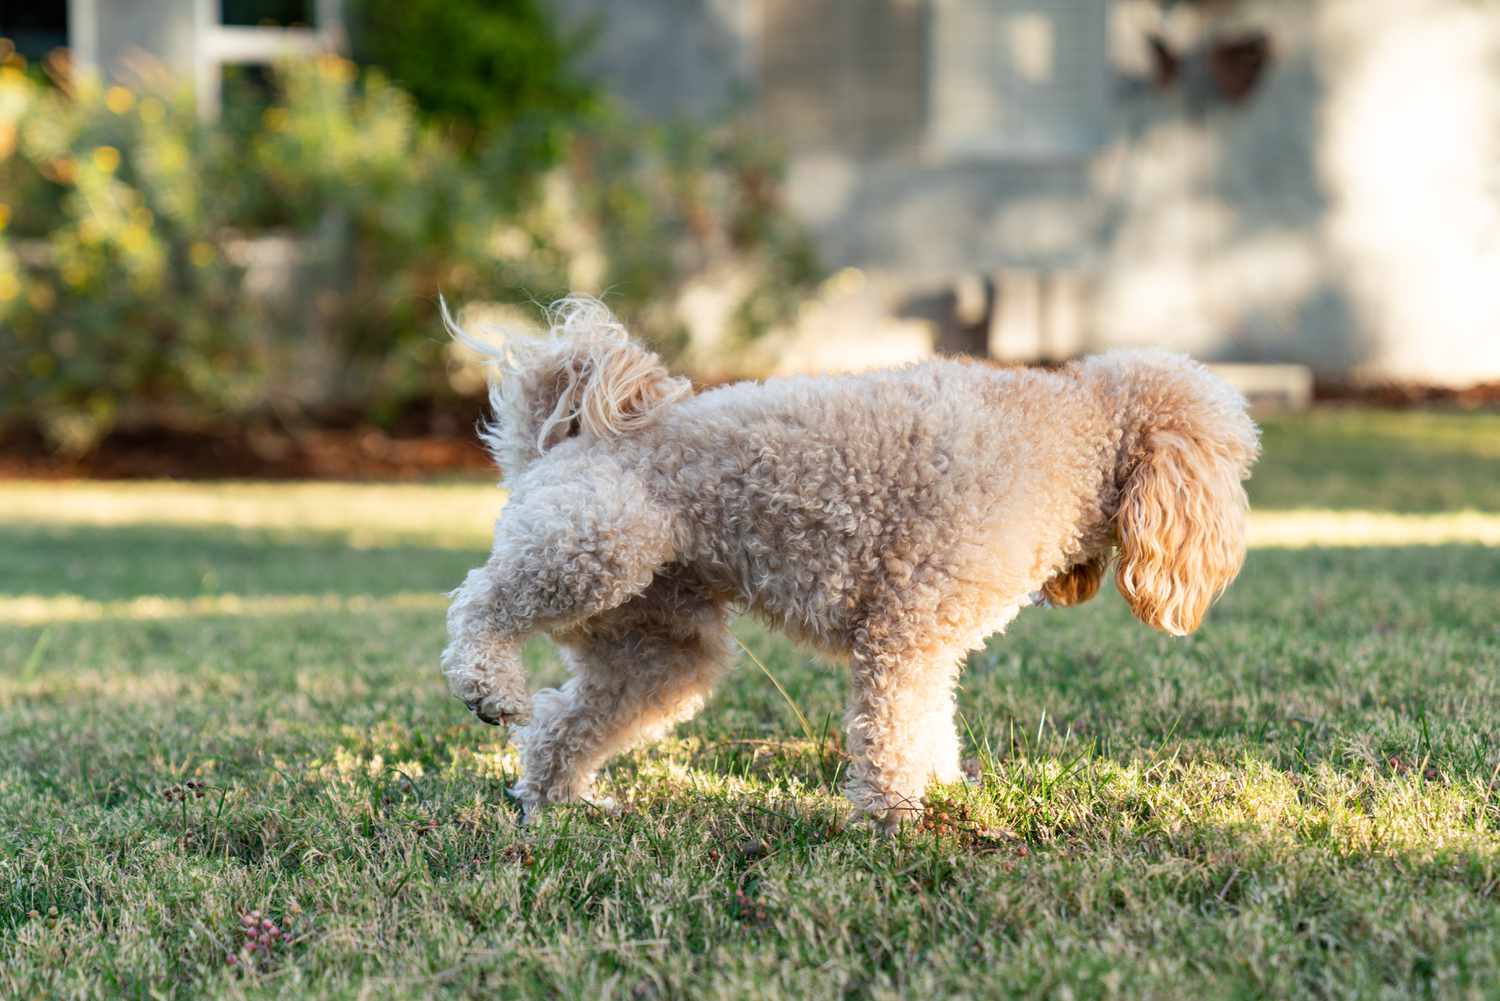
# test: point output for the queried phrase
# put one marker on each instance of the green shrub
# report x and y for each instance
(118, 293)
(123, 287)
(476, 66)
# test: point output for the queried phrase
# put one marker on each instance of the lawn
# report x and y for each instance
(220, 704)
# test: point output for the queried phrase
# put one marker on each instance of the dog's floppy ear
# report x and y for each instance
(1181, 529)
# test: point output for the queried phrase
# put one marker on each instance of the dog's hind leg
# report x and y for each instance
(637, 671)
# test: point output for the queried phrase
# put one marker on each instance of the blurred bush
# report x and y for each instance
(114, 283)
(475, 66)
(284, 263)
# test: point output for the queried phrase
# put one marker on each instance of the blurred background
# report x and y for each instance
(224, 224)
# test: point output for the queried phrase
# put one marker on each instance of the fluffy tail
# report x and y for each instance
(585, 376)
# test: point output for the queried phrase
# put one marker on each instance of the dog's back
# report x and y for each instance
(806, 496)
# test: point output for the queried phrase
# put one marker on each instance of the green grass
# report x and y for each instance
(1388, 460)
(1299, 801)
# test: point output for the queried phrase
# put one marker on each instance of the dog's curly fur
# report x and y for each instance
(895, 518)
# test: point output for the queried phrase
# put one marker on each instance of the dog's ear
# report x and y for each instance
(1181, 529)
(1075, 585)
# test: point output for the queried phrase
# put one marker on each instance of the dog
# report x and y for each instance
(895, 519)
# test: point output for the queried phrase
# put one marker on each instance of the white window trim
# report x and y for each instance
(216, 45)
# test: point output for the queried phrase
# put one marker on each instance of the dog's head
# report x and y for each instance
(584, 378)
(1187, 444)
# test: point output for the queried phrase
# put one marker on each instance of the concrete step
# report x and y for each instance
(1270, 388)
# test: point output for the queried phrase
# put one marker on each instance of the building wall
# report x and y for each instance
(669, 58)
(128, 39)
(1346, 215)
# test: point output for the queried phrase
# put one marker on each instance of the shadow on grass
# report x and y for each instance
(113, 563)
(719, 870)
(1356, 663)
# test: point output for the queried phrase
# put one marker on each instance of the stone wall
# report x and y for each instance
(1344, 215)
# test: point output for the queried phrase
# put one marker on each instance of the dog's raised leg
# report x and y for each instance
(564, 552)
(901, 730)
(637, 671)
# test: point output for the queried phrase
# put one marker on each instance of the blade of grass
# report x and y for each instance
(796, 710)
(28, 669)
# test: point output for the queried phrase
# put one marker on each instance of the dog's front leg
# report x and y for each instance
(563, 553)
(901, 732)
(482, 660)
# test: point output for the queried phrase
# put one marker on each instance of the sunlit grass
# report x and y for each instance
(462, 516)
(224, 699)
(1350, 458)
(456, 514)
(40, 610)
(1335, 529)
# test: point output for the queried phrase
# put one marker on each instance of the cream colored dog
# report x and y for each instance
(896, 518)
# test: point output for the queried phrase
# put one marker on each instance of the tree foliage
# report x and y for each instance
(475, 66)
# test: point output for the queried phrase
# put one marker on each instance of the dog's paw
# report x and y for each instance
(883, 809)
(488, 681)
(534, 803)
(531, 804)
(887, 823)
(500, 709)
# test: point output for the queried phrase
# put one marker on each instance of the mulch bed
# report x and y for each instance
(355, 454)
(1394, 396)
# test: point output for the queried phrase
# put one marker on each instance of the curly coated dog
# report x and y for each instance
(895, 519)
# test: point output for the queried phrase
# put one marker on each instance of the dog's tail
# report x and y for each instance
(585, 376)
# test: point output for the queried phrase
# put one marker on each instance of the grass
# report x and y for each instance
(1394, 461)
(223, 700)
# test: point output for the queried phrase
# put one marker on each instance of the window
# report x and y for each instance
(35, 28)
(267, 13)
